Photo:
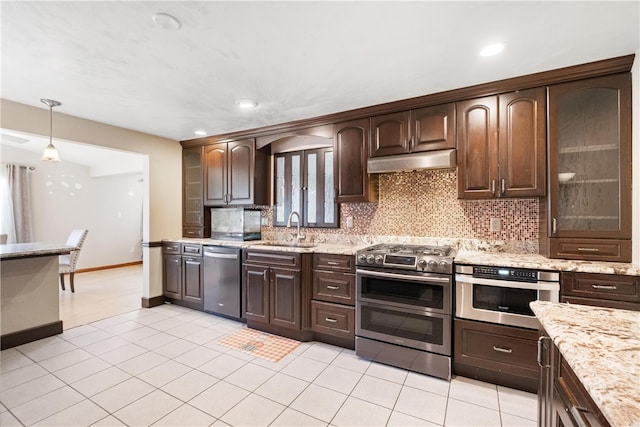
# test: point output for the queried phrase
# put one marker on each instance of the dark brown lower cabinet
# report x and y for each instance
(277, 293)
(182, 274)
(503, 355)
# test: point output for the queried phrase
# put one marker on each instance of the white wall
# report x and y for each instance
(635, 147)
(162, 185)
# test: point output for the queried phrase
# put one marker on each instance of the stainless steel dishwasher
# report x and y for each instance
(222, 280)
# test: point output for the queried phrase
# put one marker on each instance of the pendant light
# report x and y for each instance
(50, 153)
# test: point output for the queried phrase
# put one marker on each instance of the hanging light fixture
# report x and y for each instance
(50, 153)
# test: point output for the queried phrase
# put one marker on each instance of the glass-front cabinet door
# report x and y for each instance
(304, 183)
(590, 165)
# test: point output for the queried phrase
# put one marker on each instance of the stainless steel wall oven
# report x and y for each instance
(404, 307)
(502, 295)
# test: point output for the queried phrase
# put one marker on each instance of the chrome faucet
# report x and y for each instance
(299, 236)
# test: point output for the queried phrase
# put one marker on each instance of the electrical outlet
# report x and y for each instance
(495, 224)
(349, 222)
(264, 221)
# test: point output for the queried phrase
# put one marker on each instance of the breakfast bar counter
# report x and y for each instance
(30, 306)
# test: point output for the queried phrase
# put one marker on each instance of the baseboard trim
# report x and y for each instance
(107, 267)
(14, 339)
(152, 302)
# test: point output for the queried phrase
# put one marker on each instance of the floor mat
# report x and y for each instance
(260, 344)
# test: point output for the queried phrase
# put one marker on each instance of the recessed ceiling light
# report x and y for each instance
(246, 103)
(492, 49)
(165, 21)
(200, 132)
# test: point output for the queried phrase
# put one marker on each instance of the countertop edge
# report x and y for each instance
(32, 250)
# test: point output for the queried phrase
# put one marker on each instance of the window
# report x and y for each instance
(304, 184)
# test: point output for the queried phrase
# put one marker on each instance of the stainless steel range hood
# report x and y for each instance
(440, 159)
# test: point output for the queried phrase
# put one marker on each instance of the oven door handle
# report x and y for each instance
(537, 286)
(422, 279)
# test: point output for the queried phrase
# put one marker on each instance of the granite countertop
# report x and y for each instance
(325, 248)
(32, 250)
(539, 262)
(602, 346)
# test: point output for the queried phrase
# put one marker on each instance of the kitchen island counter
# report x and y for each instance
(30, 306)
(602, 347)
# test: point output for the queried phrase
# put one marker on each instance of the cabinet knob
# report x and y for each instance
(502, 186)
(493, 187)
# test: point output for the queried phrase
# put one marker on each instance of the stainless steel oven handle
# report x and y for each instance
(536, 286)
(423, 279)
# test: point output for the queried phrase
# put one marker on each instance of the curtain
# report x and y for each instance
(15, 195)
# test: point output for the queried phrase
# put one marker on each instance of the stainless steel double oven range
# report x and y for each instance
(404, 303)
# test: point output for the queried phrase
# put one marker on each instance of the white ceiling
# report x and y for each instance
(106, 61)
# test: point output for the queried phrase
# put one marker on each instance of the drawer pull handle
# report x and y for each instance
(333, 263)
(503, 308)
(609, 287)
(333, 288)
(588, 250)
(221, 304)
(329, 319)
(502, 350)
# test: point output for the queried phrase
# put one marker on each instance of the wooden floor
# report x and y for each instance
(101, 294)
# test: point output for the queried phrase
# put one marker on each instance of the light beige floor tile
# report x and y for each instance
(198, 356)
(176, 348)
(376, 390)
(2, 408)
(47, 405)
(39, 344)
(50, 350)
(11, 361)
(222, 366)
(139, 333)
(164, 373)
(142, 363)
(65, 359)
(398, 419)
(148, 409)
(509, 420)
(347, 359)
(21, 375)
(219, 398)
(30, 390)
(275, 366)
(123, 394)
(321, 352)
(90, 338)
(155, 341)
(105, 346)
(253, 411)
(465, 414)
(100, 381)
(386, 372)
(168, 323)
(304, 369)
(81, 370)
(120, 354)
(109, 421)
(475, 392)
(338, 379)
(83, 413)
(189, 385)
(124, 327)
(427, 383)
(356, 412)
(68, 334)
(186, 415)
(250, 376)
(150, 318)
(204, 336)
(413, 402)
(518, 403)
(293, 418)
(319, 402)
(8, 420)
(282, 388)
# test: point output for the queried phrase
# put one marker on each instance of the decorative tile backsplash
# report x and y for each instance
(425, 204)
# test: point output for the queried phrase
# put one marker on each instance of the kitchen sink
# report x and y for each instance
(290, 244)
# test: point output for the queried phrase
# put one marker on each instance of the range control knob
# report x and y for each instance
(433, 264)
(370, 259)
(379, 259)
(362, 258)
(422, 264)
(443, 265)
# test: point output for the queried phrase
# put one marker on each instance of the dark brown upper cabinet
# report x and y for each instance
(351, 148)
(501, 145)
(589, 203)
(424, 129)
(236, 174)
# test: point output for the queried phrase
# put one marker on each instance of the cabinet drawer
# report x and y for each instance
(591, 249)
(499, 348)
(191, 249)
(196, 232)
(171, 248)
(603, 286)
(286, 259)
(333, 319)
(334, 262)
(334, 287)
